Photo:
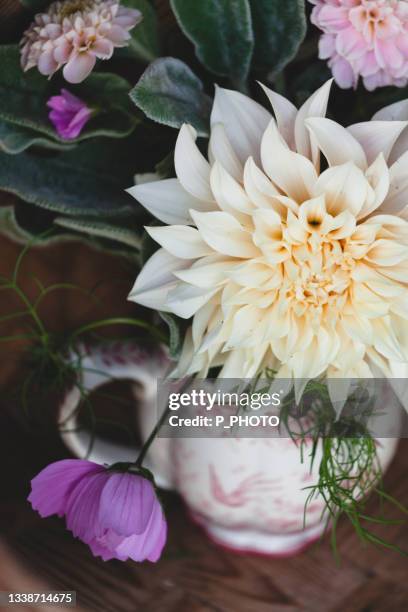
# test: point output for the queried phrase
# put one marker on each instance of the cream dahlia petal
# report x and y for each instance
(156, 280)
(336, 143)
(244, 120)
(168, 201)
(209, 271)
(342, 226)
(377, 137)
(315, 106)
(285, 114)
(291, 172)
(201, 322)
(224, 234)
(229, 194)
(378, 177)
(220, 150)
(261, 190)
(180, 240)
(192, 169)
(268, 236)
(396, 112)
(184, 300)
(257, 274)
(398, 272)
(358, 328)
(397, 198)
(313, 215)
(386, 253)
(345, 188)
(246, 323)
(385, 340)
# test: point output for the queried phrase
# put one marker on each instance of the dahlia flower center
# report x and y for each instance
(323, 278)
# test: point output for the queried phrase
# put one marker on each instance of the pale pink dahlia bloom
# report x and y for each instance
(116, 513)
(74, 34)
(367, 38)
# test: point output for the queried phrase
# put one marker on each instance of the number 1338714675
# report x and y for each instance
(67, 598)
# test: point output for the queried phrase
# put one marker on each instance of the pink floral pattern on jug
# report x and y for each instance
(248, 494)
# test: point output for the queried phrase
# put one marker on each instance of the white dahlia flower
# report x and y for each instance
(289, 246)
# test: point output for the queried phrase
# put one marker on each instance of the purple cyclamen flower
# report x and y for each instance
(69, 114)
(116, 513)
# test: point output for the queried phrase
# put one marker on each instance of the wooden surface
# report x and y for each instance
(194, 575)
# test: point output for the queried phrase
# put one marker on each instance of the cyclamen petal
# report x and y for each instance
(69, 114)
(116, 513)
(366, 38)
(298, 263)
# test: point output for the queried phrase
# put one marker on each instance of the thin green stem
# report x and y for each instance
(156, 429)
(118, 321)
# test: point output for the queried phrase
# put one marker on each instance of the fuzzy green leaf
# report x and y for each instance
(89, 180)
(111, 231)
(221, 31)
(13, 229)
(24, 96)
(279, 27)
(14, 139)
(170, 93)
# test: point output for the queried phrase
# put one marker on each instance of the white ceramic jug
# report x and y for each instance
(248, 494)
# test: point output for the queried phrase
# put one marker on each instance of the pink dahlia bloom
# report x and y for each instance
(68, 114)
(74, 34)
(367, 38)
(116, 513)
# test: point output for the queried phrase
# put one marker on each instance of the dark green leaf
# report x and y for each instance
(89, 180)
(14, 139)
(23, 101)
(117, 232)
(279, 27)
(144, 43)
(170, 93)
(221, 31)
(11, 227)
(36, 6)
(176, 330)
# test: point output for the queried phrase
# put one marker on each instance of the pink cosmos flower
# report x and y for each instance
(74, 34)
(367, 38)
(68, 114)
(116, 513)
